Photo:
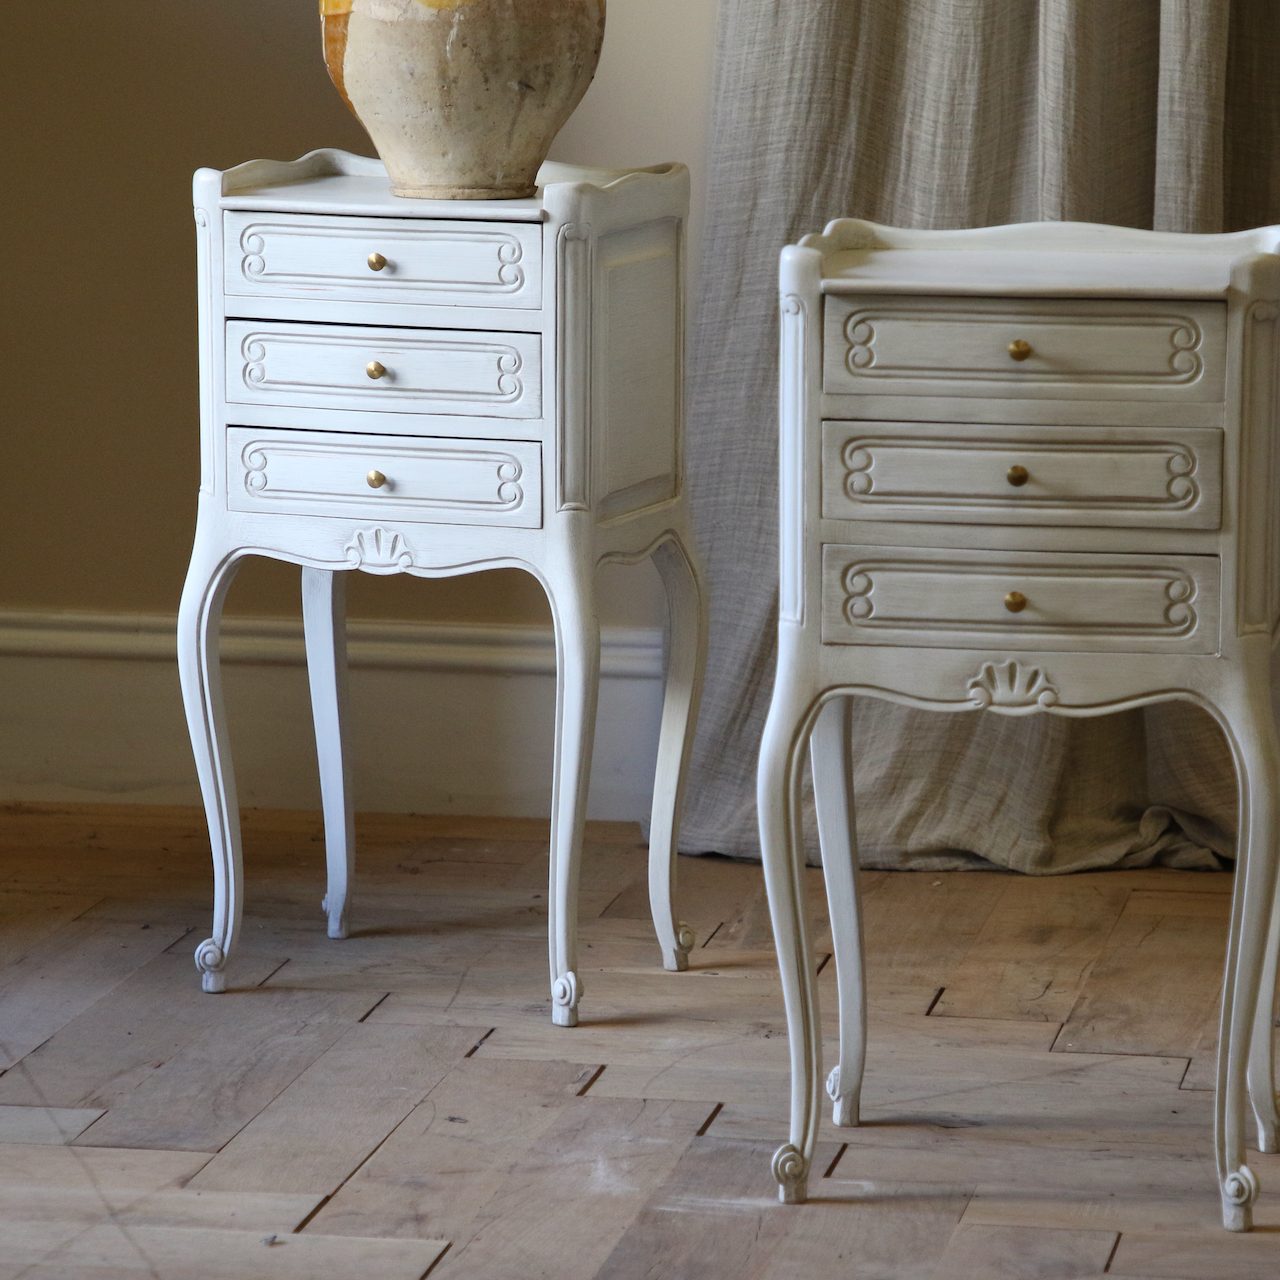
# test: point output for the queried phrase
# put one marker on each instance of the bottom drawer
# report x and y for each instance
(1029, 600)
(432, 480)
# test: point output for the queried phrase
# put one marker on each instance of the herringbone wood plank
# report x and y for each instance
(405, 1086)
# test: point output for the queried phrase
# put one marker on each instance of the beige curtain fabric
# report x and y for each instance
(955, 113)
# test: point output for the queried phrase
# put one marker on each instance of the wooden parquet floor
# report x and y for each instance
(1038, 1098)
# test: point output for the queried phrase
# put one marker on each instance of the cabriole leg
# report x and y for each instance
(686, 660)
(1262, 1066)
(577, 684)
(199, 671)
(1258, 767)
(778, 799)
(324, 624)
(832, 764)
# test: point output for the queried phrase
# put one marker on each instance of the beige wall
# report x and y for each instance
(108, 110)
(652, 95)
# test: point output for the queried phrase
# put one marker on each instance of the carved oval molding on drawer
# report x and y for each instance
(433, 481)
(424, 263)
(422, 371)
(1107, 348)
(959, 599)
(1122, 477)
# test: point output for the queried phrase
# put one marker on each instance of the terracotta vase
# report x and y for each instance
(462, 98)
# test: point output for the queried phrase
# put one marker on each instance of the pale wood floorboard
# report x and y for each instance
(399, 1103)
(321, 1128)
(98, 1058)
(71, 1251)
(1127, 1003)
(45, 1124)
(576, 1189)
(65, 973)
(443, 1164)
(1032, 952)
(264, 1211)
(206, 1093)
(1024, 1253)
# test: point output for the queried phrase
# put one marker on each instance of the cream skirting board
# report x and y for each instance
(445, 718)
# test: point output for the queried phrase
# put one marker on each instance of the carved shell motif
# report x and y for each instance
(1012, 688)
(378, 551)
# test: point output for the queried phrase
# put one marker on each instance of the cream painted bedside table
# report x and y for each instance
(1025, 469)
(435, 388)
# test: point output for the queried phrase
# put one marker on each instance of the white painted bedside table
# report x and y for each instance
(1025, 469)
(435, 388)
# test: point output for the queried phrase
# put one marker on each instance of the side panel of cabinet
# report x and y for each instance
(636, 389)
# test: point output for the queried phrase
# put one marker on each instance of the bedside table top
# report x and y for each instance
(1047, 259)
(338, 182)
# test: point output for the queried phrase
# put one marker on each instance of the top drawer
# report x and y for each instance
(453, 264)
(1032, 347)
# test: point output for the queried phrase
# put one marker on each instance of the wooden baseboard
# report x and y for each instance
(446, 718)
(625, 652)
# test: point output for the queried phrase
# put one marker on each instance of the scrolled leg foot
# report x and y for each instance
(677, 960)
(792, 1173)
(1239, 1191)
(844, 1113)
(337, 917)
(1267, 1137)
(211, 960)
(566, 991)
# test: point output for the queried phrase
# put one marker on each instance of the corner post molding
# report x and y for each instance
(574, 246)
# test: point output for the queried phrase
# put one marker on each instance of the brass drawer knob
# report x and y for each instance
(1015, 602)
(376, 479)
(375, 369)
(1019, 350)
(376, 262)
(1017, 476)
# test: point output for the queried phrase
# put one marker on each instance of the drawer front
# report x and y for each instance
(494, 375)
(433, 481)
(1074, 603)
(453, 264)
(951, 473)
(1115, 350)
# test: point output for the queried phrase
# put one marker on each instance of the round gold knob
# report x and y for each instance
(376, 479)
(376, 262)
(375, 369)
(1017, 476)
(1019, 350)
(1015, 602)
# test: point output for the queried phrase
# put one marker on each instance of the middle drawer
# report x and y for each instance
(1121, 477)
(440, 371)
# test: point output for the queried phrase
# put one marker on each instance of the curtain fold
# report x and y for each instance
(1190, 115)
(945, 114)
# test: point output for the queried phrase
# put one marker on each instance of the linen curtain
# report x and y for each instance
(944, 114)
